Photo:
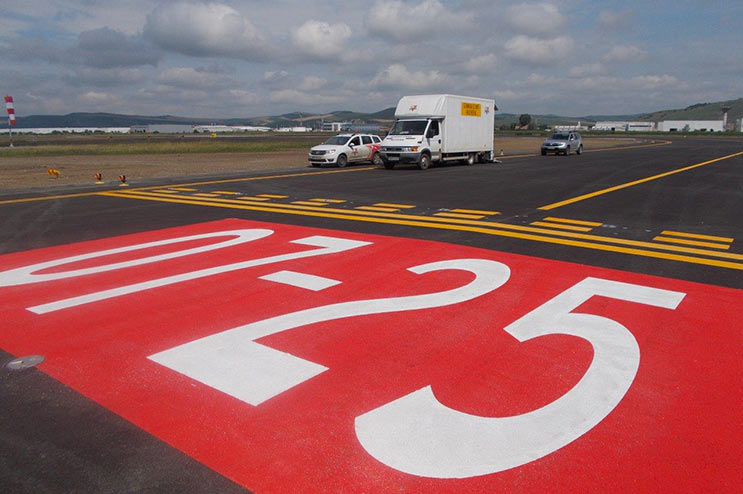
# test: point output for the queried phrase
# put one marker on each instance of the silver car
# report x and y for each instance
(563, 142)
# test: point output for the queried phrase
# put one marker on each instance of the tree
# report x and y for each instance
(524, 119)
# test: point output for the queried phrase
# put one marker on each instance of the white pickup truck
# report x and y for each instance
(440, 127)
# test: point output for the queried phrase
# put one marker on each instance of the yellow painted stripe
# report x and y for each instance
(475, 211)
(377, 208)
(167, 191)
(697, 235)
(47, 198)
(251, 198)
(635, 182)
(331, 201)
(226, 192)
(273, 196)
(460, 215)
(310, 203)
(205, 194)
(183, 189)
(698, 243)
(449, 226)
(564, 227)
(291, 209)
(573, 222)
(390, 205)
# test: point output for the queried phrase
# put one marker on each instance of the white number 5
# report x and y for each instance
(417, 434)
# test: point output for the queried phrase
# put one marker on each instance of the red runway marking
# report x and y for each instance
(153, 356)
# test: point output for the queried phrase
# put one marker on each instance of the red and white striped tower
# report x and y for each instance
(11, 117)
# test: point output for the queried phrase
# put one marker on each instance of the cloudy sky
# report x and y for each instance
(249, 58)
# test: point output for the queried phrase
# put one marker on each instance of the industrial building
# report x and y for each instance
(662, 126)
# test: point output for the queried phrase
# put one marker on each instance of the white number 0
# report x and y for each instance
(418, 435)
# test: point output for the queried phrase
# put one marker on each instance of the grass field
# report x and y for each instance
(139, 158)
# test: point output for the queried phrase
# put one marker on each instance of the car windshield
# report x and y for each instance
(560, 137)
(336, 141)
(409, 127)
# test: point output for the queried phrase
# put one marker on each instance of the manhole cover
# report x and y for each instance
(24, 362)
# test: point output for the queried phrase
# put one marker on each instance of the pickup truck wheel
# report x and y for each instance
(580, 149)
(377, 160)
(342, 161)
(425, 162)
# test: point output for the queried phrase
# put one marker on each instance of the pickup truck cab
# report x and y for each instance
(346, 148)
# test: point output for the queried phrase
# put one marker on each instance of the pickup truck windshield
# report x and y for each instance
(560, 137)
(336, 141)
(408, 127)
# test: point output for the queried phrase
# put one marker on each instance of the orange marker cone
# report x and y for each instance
(53, 172)
(123, 181)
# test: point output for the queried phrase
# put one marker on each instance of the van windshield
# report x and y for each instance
(408, 127)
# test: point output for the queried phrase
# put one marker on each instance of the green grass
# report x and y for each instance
(206, 146)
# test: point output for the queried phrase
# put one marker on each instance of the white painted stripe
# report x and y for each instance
(301, 280)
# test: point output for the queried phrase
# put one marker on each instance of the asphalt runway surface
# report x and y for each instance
(664, 214)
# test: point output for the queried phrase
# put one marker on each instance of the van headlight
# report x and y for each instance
(409, 148)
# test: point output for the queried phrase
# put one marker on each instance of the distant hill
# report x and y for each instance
(701, 111)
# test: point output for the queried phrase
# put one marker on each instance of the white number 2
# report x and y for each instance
(417, 434)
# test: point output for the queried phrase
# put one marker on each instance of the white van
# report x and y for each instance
(440, 127)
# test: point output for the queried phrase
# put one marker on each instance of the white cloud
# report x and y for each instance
(587, 70)
(320, 39)
(614, 19)
(298, 97)
(650, 82)
(106, 77)
(398, 76)
(203, 30)
(106, 48)
(242, 97)
(624, 53)
(537, 51)
(481, 64)
(402, 21)
(312, 83)
(535, 19)
(190, 78)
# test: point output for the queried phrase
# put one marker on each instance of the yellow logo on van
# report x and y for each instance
(471, 109)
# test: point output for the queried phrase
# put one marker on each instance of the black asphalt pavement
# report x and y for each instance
(55, 440)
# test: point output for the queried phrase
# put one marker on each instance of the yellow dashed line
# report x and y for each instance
(459, 215)
(574, 222)
(698, 243)
(166, 191)
(564, 227)
(183, 189)
(310, 203)
(475, 211)
(696, 235)
(377, 208)
(273, 196)
(331, 201)
(251, 198)
(226, 192)
(205, 194)
(428, 222)
(397, 206)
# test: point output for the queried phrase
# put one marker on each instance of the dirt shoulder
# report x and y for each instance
(32, 172)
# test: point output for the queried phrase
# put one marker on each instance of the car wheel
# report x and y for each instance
(377, 160)
(580, 149)
(425, 162)
(544, 152)
(342, 161)
(389, 165)
(567, 151)
(316, 165)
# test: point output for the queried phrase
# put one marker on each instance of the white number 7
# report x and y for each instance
(417, 434)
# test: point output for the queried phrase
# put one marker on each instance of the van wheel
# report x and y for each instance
(377, 160)
(342, 161)
(471, 159)
(425, 162)
(580, 150)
